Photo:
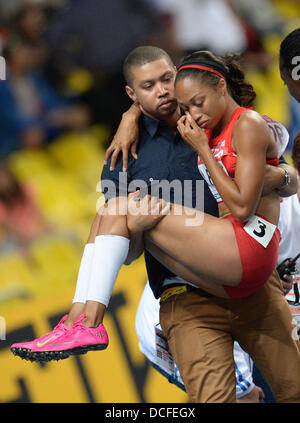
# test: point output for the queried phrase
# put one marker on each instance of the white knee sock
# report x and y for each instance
(110, 252)
(84, 274)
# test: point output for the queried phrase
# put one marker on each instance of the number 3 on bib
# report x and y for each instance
(260, 229)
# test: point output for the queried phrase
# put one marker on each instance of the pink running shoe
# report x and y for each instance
(78, 340)
(23, 349)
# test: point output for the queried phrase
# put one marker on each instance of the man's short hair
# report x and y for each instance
(289, 48)
(141, 56)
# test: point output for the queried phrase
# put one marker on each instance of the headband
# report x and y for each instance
(207, 65)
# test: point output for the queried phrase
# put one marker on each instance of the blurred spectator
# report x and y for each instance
(260, 14)
(3, 38)
(20, 218)
(204, 24)
(9, 8)
(98, 36)
(30, 22)
(31, 111)
(221, 26)
(259, 19)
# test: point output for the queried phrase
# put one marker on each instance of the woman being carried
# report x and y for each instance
(234, 143)
(225, 257)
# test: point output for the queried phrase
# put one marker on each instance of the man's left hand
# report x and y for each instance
(287, 283)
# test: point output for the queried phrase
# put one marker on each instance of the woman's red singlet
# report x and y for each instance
(258, 261)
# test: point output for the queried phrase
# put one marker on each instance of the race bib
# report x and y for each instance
(260, 229)
(296, 315)
(164, 358)
(206, 176)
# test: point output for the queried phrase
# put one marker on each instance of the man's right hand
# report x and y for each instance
(126, 137)
(143, 214)
(287, 282)
(255, 396)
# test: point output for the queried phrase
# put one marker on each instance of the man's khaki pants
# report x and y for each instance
(201, 328)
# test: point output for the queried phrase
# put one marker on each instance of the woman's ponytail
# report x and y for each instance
(241, 91)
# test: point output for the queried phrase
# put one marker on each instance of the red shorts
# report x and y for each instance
(257, 261)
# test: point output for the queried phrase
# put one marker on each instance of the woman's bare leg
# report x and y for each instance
(208, 250)
(109, 224)
(206, 254)
(78, 308)
(185, 273)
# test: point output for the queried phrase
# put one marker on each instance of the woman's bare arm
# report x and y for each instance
(252, 137)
